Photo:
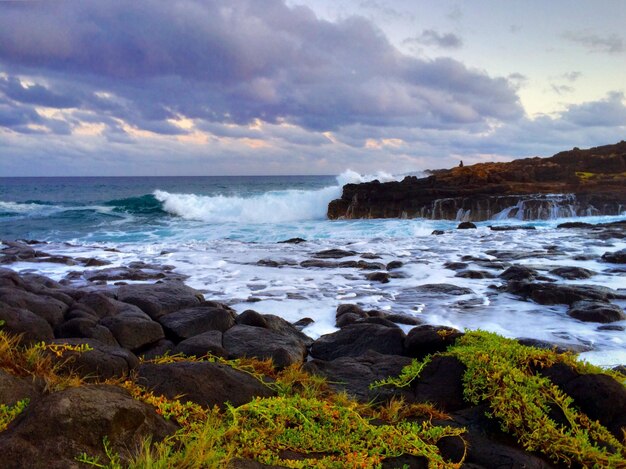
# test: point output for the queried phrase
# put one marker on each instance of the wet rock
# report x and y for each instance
(611, 327)
(293, 241)
(476, 274)
(382, 277)
(55, 429)
(204, 383)
(160, 298)
(20, 321)
(356, 339)
(92, 261)
(596, 311)
(347, 319)
(456, 265)
(370, 255)
(518, 273)
(427, 339)
(268, 263)
(399, 318)
(442, 289)
(209, 342)
(551, 294)
(616, 257)
(572, 273)
(101, 362)
(355, 374)
(319, 263)
(438, 232)
(251, 318)
(394, 265)
(250, 341)
(466, 225)
(350, 308)
(189, 322)
(558, 347)
(302, 323)
(334, 254)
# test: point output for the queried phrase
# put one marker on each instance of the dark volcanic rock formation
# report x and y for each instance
(575, 182)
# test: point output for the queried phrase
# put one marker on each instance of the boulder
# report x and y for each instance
(46, 307)
(596, 311)
(209, 342)
(18, 321)
(101, 362)
(476, 274)
(15, 388)
(427, 339)
(356, 339)
(441, 384)
(382, 277)
(259, 342)
(160, 298)
(204, 383)
(519, 273)
(553, 293)
(189, 322)
(55, 429)
(133, 331)
(355, 374)
(616, 257)
(86, 328)
(466, 225)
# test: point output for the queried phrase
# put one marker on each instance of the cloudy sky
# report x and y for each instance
(219, 87)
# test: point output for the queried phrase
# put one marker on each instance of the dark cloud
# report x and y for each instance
(430, 37)
(611, 44)
(607, 112)
(234, 61)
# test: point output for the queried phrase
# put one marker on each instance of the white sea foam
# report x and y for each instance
(269, 207)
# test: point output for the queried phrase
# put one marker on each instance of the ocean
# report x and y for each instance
(215, 230)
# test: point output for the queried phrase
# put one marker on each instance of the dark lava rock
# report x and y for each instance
(347, 319)
(251, 318)
(189, 322)
(456, 265)
(558, 347)
(292, 241)
(370, 265)
(320, 264)
(442, 289)
(209, 342)
(438, 232)
(350, 308)
(511, 227)
(356, 339)
(477, 274)
(394, 265)
(441, 384)
(86, 328)
(597, 395)
(617, 257)
(250, 341)
(611, 327)
(596, 311)
(204, 383)
(157, 349)
(268, 263)
(466, 225)
(15, 388)
(355, 374)
(519, 272)
(399, 318)
(19, 321)
(54, 430)
(574, 224)
(427, 339)
(133, 331)
(302, 323)
(160, 298)
(382, 277)
(334, 254)
(551, 294)
(572, 273)
(370, 255)
(44, 306)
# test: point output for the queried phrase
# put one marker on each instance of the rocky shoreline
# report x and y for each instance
(571, 183)
(107, 330)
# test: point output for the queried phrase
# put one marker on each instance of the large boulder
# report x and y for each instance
(204, 383)
(209, 342)
(53, 431)
(441, 384)
(133, 330)
(426, 339)
(15, 388)
(616, 257)
(356, 339)
(46, 307)
(190, 322)
(263, 343)
(32, 327)
(160, 298)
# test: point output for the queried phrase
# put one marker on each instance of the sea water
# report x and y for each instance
(215, 230)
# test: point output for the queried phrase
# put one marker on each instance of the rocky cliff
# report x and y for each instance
(571, 183)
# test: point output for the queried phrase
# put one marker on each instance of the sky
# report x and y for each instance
(260, 87)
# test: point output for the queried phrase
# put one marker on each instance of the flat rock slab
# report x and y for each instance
(204, 383)
(356, 339)
(553, 293)
(55, 429)
(442, 289)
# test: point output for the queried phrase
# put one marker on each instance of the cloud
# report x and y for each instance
(430, 37)
(561, 89)
(572, 76)
(234, 62)
(610, 44)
